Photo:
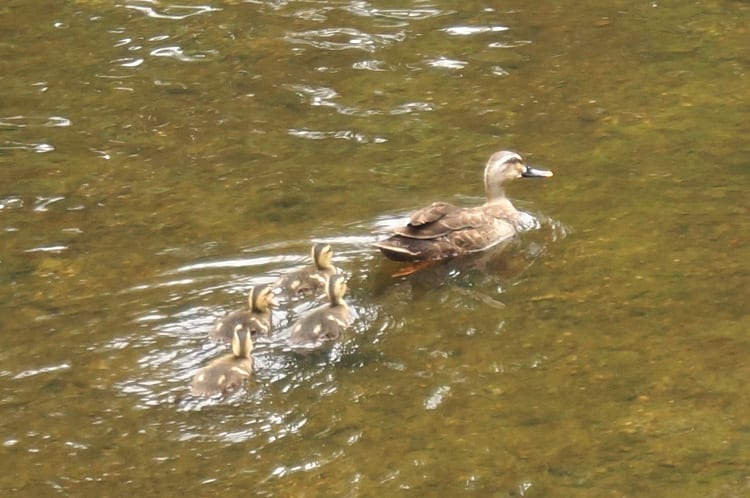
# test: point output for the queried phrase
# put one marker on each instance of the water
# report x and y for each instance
(157, 160)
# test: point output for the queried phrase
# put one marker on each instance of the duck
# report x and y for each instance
(228, 372)
(325, 323)
(256, 319)
(442, 230)
(308, 281)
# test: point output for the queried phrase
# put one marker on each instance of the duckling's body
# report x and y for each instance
(256, 319)
(308, 281)
(324, 324)
(228, 372)
(443, 230)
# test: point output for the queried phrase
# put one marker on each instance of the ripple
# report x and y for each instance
(173, 12)
(499, 71)
(340, 134)
(443, 62)
(315, 96)
(370, 65)
(177, 53)
(436, 398)
(42, 370)
(128, 61)
(473, 30)
(344, 39)
(409, 14)
(31, 147)
(11, 202)
(52, 249)
(231, 263)
(412, 107)
(42, 204)
(324, 97)
(34, 122)
(513, 44)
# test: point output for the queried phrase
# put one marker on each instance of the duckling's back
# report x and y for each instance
(224, 374)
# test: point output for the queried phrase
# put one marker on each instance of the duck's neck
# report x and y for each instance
(495, 194)
(337, 301)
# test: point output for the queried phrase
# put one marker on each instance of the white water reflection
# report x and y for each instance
(31, 147)
(472, 30)
(34, 121)
(326, 97)
(344, 39)
(446, 63)
(153, 9)
(339, 134)
(179, 54)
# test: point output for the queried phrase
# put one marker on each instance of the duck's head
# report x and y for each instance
(506, 165)
(260, 298)
(335, 289)
(322, 254)
(242, 344)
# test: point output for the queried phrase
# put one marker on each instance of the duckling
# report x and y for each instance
(442, 230)
(257, 320)
(309, 281)
(325, 323)
(228, 372)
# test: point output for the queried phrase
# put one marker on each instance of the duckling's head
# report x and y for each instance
(322, 254)
(242, 344)
(335, 289)
(260, 298)
(506, 165)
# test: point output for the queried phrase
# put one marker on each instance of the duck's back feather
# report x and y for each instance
(442, 230)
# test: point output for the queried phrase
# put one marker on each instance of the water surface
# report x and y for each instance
(158, 159)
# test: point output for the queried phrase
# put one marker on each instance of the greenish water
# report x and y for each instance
(158, 159)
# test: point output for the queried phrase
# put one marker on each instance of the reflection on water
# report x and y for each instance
(159, 158)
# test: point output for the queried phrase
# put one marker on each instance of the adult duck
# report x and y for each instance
(442, 230)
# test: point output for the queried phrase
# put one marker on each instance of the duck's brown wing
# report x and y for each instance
(431, 222)
(479, 238)
(443, 231)
(431, 213)
(442, 219)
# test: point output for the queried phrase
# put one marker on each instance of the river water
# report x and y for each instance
(158, 159)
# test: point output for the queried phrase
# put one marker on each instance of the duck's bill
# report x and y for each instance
(530, 172)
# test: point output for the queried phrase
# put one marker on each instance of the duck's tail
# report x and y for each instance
(393, 248)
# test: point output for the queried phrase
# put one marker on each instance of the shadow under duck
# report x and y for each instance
(256, 319)
(228, 372)
(325, 323)
(442, 230)
(308, 281)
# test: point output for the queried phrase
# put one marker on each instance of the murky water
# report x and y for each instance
(158, 159)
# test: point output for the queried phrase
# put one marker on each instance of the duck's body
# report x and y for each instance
(324, 324)
(308, 281)
(256, 319)
(228, 372)
(443, 230)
